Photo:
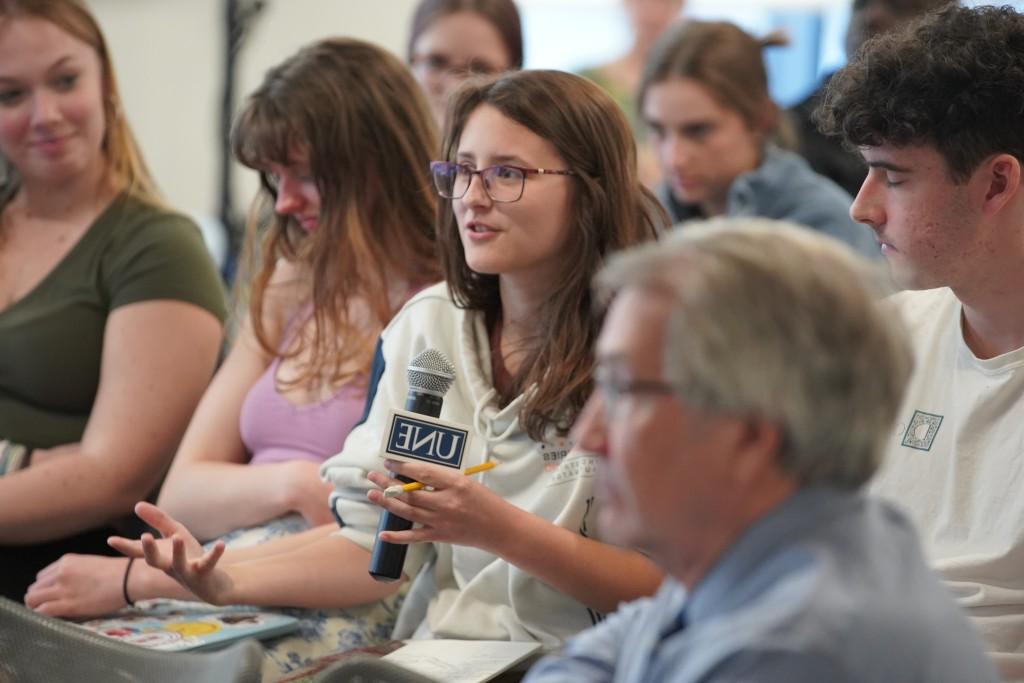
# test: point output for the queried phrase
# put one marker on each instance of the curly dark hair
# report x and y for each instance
(953, 80)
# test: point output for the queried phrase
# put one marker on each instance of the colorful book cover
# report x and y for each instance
(172, 628)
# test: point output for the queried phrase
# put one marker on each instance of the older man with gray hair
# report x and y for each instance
(747, 379)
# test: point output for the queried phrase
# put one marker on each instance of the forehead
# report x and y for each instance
(683, 100)
(920, 159)
(633, 335)
(490, 135)
(29, 45)
(465, 36)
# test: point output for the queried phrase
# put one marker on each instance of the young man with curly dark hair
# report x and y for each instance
(868, 18)
(937, 111)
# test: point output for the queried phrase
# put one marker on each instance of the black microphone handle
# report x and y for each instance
(388, 558)
(423, 403)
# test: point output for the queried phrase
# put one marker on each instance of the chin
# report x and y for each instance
(687, 197)
(483, 266)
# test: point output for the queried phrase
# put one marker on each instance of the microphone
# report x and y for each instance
(430, 376)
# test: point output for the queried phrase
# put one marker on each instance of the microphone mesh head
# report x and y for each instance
(431, 372)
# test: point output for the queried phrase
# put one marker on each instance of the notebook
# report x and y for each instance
(193, 627)
(445, 661)
(461, 661)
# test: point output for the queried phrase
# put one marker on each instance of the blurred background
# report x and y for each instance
(185, 65)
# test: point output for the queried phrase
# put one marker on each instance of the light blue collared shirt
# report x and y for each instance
(830, 586)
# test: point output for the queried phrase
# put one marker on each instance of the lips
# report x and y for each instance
(49, 140)
(479, 228)
(50, 144)
(685, 183)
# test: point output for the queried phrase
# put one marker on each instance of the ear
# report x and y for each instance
(1001, 180)
(757, 448)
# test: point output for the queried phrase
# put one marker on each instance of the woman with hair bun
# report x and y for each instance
(704, 96)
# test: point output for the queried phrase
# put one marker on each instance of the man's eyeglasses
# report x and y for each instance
(501, 183)
(614, 388)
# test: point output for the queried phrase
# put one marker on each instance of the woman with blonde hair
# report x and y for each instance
(532, 209)
(333, 132)
(110, 308)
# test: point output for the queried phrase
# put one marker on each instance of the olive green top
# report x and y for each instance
(51, 340)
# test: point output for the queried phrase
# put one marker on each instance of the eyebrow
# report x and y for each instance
(60, 62)
(497, 160)
(56, 65)
(888, 166)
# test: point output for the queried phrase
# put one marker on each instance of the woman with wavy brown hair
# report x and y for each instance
(342, 236)
(534, 206)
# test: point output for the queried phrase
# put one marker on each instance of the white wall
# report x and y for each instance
(169, 54)
(168, 57)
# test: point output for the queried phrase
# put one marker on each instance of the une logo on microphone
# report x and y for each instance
(423, 439)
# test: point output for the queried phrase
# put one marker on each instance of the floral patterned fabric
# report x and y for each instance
(321, 631)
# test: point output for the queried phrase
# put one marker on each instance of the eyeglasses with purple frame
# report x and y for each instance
(502, 183)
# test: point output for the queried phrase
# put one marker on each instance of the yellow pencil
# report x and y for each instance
(399, 489)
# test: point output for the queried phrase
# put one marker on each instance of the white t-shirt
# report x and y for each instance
(955, 462)
(467, 593)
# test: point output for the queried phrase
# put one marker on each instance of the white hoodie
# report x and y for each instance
(463, 592)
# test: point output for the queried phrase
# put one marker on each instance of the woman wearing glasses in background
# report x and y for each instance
(534, 208)
(453, 39)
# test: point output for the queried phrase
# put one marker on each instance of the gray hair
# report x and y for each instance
(775, 321)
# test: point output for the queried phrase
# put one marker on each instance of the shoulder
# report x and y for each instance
(785, 186)
(136, 229)
(430, 319)
(793, 168)
(131, 217)
(432, 304)
(150, 252)
(866, 604)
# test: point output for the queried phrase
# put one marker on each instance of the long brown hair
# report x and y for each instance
(610, 210)
(360, 117)
(126, 170)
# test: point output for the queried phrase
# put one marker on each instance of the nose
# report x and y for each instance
(590, 433)
(867, 207)
(289, 199)
(45, 109)
(476, 194)
(677, 153)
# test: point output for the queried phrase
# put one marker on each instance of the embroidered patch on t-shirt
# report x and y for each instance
(921, 432)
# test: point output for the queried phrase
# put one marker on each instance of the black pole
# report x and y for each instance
(239, 16)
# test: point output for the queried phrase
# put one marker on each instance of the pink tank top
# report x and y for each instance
(274, 429)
